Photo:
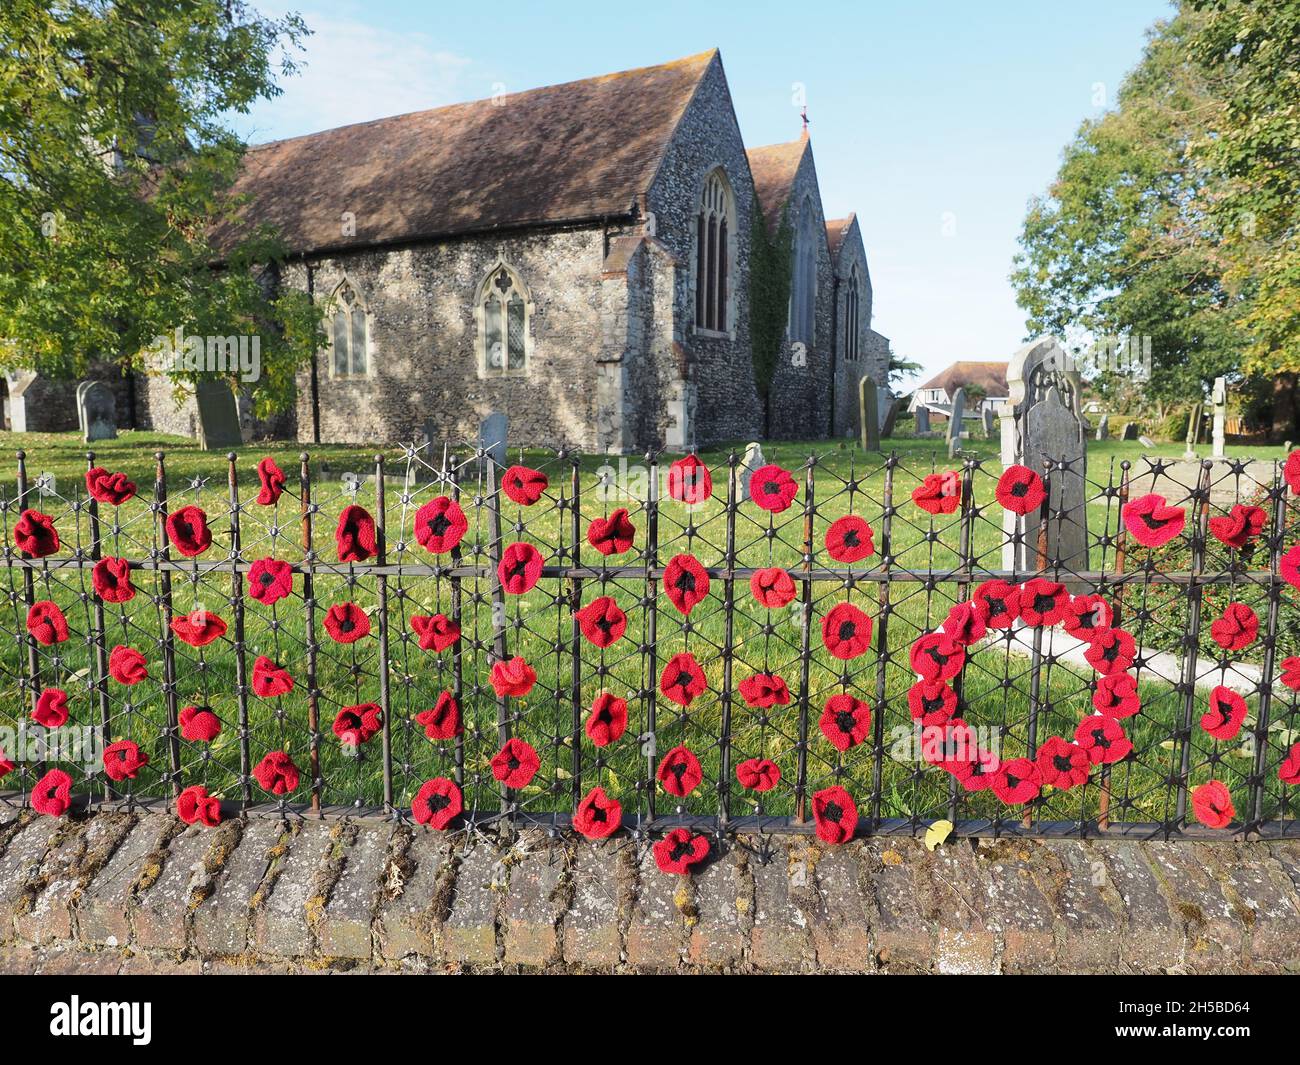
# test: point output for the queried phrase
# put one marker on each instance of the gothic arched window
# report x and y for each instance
(803, 288)
(503, 309)
(349, 333)
(714, 236)
(851, 311)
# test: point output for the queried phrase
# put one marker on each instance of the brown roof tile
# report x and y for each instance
(991, 376)
(835, 230)
(564, 153)
(774, 167)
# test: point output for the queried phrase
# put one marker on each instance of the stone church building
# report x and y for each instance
(576, 257)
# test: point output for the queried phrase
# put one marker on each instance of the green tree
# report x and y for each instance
(116, 155)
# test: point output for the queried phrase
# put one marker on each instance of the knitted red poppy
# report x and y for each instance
(354, 536)
(689, 480)
(1236, 628)
(849, 539)
(682, 679)
(513, 677)
(355, 725)
(772, 488)
(1085, 615)
(188, 531)
(835, 815)
(612, 535)
(269, 679)
(1103, 738)
(1291, 471)
(764, 690)
(35, 534)
(438, 802)
(999, 602)
(1289, 566)
(6, 764)
(965, 623)
(952, 746)
(443, 721)
(678, 851)
(111, 488)
(199, 724)
(276, 773)
(1152, 521)
(53, 794)
(936, 657)
(938, 493)
(1291, 672)
(111, 579)
(195, 806)
(598, 816)
(772, 587)
(440, 525)
(978, 771)
(1020, 490)
(123, 759)
(685, 582)
(845, 721)
(931, 703)
(346, 623)
(1062, 764)
(270, 580)
(436, 632)
(1111, 651)
(1241, 525)
(46, 623)
(1289, 771)
(1212, 804)
(525, 486)
(515, 764)
(602, 621)
(607, 719)
(272, 479)
(1043, 602)
(126, 665)
(198, 628)
(758, 774)
(846, 631)
(679, 772)
(51, 708)
(520, 568)
(1226, 713)
(1116, 695)
(1016, 781)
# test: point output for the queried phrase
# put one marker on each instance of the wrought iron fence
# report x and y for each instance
(391, 656)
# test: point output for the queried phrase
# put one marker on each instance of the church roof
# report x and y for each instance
(565, 153)
(835, 230)
(774, 167)
(990, 376)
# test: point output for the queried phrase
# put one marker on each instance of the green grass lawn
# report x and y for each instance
(997, 689)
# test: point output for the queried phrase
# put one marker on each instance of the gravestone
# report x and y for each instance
(96, 411)
(753, 460)
(1130, 431)
(492, 433)
(1220, 397)
(1103, 427)
(1193, 431)
(1146, 441)
(891, 405)
(869, 414)
(1043, 421)
(986, 420)
(955, 417)
(922, 419)
(218, 416)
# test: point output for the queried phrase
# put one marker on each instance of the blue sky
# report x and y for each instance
(935, 121)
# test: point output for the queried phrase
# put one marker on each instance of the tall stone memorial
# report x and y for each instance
(869, 413)
(1043, 421)
(1220, 398)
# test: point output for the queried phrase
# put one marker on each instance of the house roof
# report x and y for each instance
(835, 230)
(774, 167)
(565, 153)
(990, 376)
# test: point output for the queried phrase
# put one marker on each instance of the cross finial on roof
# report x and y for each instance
(803, 115)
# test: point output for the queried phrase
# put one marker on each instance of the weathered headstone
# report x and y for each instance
(986, 420)
(869, 414)
(752, 460)
(955, 417)
(1193, 431)
(1043, 421)
(1146, 441)
(218, 416)
(1220, 415)
(889, 412)
(922, 419)
(492, 433)
(1103, 427)
(1130, 431)
(96, 411)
